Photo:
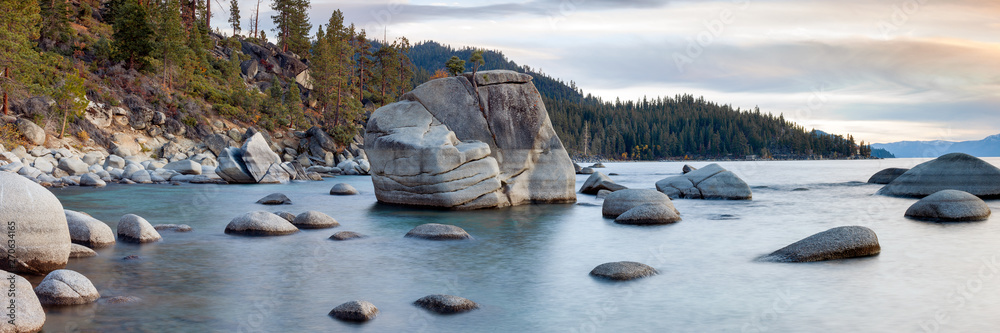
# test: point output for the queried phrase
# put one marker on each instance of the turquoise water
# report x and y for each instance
(528, 266)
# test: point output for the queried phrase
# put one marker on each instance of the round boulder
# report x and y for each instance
(649, 214)
(30, 315)
(886, 175)
(949, 206)
(955, 171)
(358, 311)
(92, 179)
(39, 225)
(436, 231)
(446, 304)
(836, 243)
(619, 202)
(66, 287)
(314, 220)
(260, 223)
(80, 251)
(343, 189)
(275, 199)
(623, 270)
(345, 235)
(88, 231)
(135, 229)
(285, 215)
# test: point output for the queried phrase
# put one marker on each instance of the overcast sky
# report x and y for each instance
(881, 70)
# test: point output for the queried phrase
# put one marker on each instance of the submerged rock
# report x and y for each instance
(837, 243)
(66, 287)
(88, 231)
(446, 304)
(359, 311)
(955, 171)
(314, 220)
(886, 175)
(285, 215)
(173, 227)
(622, 201)
(275, 199)
(30, 314)
(43, 241)
(135, 229)
(623, 270)
(709, 182)
(260, 223)
(435, 231)
(80, 251)
(346, 235)
(949, 206)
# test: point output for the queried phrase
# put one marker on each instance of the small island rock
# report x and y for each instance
(135, 229)
(949, 206)
(260, 223)
(623, 270)
(435, 231)
(446, 304)
(836, 243)
(358, 311)
(66, 287)
(314, 220)
(275, 199)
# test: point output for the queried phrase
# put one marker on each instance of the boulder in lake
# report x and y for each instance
(80, 251)
(435, 231)
(346, 235)
(955, 171)
(285, 215)
(687, 168)
(260, 223)
(597, 182)
(586, 171)
(709, 182)
(343, 189)
(135, 229)
(949, 206)
(66, 287)
(43, 241)
(275, 199)
(623, 270)
(90, 179)
(357, 311)
(649, 214)
(88, 231)
(258, 156)
(30, 315)
(886, 175)
(447, 144)
(231, 167)
(837, 243)
(173, 227)
(314, 220)
(446, 304)
(619, 202)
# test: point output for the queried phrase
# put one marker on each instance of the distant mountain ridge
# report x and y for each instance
(988, 147)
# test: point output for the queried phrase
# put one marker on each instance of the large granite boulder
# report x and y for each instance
(449, 145)
(314, 220)
(30, 315)
(886, 175)
(955, 171)
(66, 287)
(343, 189)
(619, 202)
(73, 166)
(88, 231)
(80, 251)
(34, 134)
(623, 270)
(446, 304)
(260, 223)
(258, 156)
(949, 206)
(135, 229)
(42, 242)
(597, 182)
(649, 214)
(184, 167)
(91, 179)
(232, 168)
(836, 243)
(709, 182)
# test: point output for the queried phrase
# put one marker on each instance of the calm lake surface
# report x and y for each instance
(528, 266)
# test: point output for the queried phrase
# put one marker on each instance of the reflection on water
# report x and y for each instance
(527, 266)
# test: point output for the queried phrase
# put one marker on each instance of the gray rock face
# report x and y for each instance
(446, 304)
(231, 167)
(623, 270)
(88, 231)
(687, 168)
(115, 162)
(709, 182)
(276, 174)
(43, 242)
(435, 231)
(30, 315)
(66, 287)
(597, 182)
(649, 214)
(260, 223)
(950, 206)
(837, 243)
(314, 220)
(93, 158)
(80, 251)
(73, 166)
(622, 201)
(218, 143)
(346, 235)
(275, 199)
(135, 229)
(184, 167)
(258, 156)
(357, 311)
(90, 179)
(43, 165)
(34, 134)
(343, 189)
(455, 150)
(141, 177)
(886, 175)
(955, 171)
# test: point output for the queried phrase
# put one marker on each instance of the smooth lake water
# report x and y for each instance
(528, 266)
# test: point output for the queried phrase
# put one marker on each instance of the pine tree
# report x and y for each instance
(170, 36)
(455, 65)
(132, 34)
(55, 20)
(234, 16)
(292, 25)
